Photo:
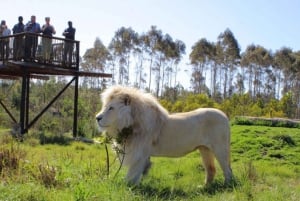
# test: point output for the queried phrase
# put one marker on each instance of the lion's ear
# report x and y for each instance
(127, 100)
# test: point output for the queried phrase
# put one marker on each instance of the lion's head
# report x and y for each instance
(124, 107)
(115, 114)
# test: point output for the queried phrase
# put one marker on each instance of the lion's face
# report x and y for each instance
(114, 116)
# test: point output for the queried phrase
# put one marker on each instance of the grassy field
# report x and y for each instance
(265, 162)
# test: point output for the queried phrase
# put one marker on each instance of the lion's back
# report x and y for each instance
(207, 121)
(207, 113)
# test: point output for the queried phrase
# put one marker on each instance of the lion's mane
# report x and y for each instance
(146, 117)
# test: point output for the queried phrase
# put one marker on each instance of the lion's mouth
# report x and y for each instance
(102, 126)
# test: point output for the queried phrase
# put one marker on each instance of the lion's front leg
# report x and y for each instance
(137, 169)
(147, 167)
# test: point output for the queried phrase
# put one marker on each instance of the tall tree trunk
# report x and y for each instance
(213, 80)
(225, 82)
(150, 73)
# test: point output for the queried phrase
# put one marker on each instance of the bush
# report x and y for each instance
(285, 139)
(273, 122)
(54, 139)
(10, 157)
(47, 175)
(242, 121)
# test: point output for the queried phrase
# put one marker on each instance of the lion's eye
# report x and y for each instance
(110, 108)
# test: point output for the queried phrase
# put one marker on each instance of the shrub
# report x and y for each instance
(10, 157)
(273, 122)
(242, 121)
(47, 175)
(54, 139)
(285, 139)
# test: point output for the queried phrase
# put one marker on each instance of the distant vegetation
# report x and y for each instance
(273, 122)
(58, 120)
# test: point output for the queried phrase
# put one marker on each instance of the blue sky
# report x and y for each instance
(270, 23)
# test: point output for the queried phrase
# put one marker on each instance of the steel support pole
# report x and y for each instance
(75, 118)
(23, 104)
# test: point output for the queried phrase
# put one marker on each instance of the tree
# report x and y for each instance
(151, 41)
(140, 54)
(288, 105)
(171, 53)
(165, 51)
(122, 45)
(296, 86)
(162, 54)
(257, 60)
(283, 60)
(96, 59)
(200, 57)
(229, 54)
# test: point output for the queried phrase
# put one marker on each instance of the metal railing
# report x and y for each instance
(37, 48)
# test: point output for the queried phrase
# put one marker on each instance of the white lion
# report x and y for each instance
(147, 130)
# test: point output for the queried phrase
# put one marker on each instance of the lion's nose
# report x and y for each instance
(99, 118)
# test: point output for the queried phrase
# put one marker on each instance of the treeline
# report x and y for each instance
(236, 105)
(58, 120)
(219, 69)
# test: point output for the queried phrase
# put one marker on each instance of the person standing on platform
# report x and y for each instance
(69, 34)
(47, 30)
(31, 40)
(18, 41)
(5, 31)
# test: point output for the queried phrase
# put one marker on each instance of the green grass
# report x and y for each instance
(265, 162)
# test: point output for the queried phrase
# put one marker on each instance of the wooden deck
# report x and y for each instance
(18, 68)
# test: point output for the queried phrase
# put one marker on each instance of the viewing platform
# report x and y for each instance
(25, 56)
(14, 63)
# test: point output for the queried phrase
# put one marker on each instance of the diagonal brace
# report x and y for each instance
(49, 104)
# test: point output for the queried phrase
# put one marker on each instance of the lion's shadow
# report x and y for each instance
(218, 186)
(151, 191)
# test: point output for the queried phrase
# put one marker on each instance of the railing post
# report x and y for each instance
(77, 55)
(2, 49)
